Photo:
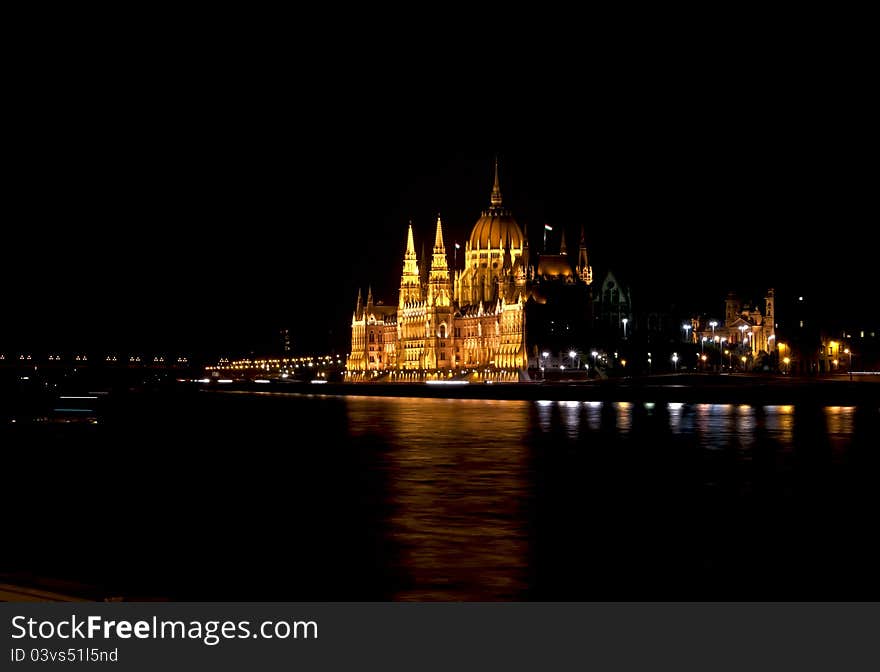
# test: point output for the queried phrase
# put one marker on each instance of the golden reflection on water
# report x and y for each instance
(779, 423)
(457, 487)
(839, 420)
(624, 415)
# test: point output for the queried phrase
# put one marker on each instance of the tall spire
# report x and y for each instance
(439, 286)
(496, 189)
(562, 248)
(410, 281)
(584, 270)
(438, 238)
(369, 295)
(410, 244)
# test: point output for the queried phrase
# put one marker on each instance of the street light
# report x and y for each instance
(571, 355)
(686, 328)
(713, 324)
(675, 361)
(624, 320)
(703, 344)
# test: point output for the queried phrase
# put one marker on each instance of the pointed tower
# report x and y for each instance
(562, 247)
(360, 305)
(410, 286)
(584, 270)
(439, 351)
(495, 198)
(439, 288)
(369, 296)
(439, 260)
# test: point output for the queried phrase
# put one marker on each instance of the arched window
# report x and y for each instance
(442, 331)
(372, 337)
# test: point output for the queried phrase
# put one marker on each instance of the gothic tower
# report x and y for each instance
(439, 287)
(410, 283)
(584, 270)
(439, 314)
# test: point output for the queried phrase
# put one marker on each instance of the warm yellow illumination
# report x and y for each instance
(786, 360)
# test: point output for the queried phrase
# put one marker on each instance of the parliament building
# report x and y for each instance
(487, 321)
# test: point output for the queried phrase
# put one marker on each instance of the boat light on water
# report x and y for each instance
(447, 382)
(316, 382)
(261, 380)
(224, 380)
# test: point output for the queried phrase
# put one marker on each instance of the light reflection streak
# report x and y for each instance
(457, 481)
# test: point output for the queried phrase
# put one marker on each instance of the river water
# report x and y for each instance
(308, 497)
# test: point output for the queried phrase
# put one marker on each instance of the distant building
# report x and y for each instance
(748, 330)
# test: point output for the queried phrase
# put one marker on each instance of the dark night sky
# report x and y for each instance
(202, 212)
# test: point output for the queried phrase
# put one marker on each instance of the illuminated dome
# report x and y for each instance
(554, 266)
(496, 228)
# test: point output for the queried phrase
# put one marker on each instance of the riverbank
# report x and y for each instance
(693, 388)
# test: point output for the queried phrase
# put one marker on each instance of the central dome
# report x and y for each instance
(495, 229)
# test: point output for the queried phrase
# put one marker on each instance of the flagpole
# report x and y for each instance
(547, 228)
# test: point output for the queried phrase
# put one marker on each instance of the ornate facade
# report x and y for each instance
(458, 324)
